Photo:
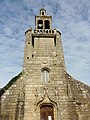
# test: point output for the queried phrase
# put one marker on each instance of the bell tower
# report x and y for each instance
(43, 42)
(43, 21)
(45, 83)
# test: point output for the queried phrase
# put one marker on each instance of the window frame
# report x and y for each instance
(45, 75)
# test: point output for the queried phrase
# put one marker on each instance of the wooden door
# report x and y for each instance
(46, 112)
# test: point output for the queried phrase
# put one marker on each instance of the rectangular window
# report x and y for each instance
(33, 42)
(42, 13)
(55, 41)
(45, 76)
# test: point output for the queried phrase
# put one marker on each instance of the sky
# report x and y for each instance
(70, 17)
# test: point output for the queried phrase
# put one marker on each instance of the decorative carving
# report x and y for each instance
(45, 98)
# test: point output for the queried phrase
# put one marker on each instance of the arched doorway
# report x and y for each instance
(46, 112)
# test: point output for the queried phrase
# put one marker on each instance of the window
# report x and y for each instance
(28, 42)
(33, 43)
(45, 75)
(42, 13)
(47, 24)
(55, 41)
(46, 112)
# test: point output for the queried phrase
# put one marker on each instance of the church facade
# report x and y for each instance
(44, 90)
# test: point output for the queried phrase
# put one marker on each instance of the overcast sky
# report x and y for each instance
(70, 17)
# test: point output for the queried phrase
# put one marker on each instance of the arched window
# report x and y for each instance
(45, 75)
(40, 24)
(47, 24)
(46, 112)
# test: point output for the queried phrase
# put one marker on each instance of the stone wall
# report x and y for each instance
(71, 101)
(9, 99)
(79, 96)
(23, 98)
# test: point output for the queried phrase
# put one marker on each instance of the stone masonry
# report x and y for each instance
(44, 90)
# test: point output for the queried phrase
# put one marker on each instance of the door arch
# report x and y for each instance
(46, 112)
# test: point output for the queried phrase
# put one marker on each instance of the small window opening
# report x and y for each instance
(34, 31)
(46, 31)
(41, 31)
(49, 31)
(33, 42)
(42, 13)
(47, 24)
(45, 75)
(55, 42)
(52, 31)
(28, 42)
(40, 24)
(27, 57)
(32, 55)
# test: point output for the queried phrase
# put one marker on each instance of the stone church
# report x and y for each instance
(44, 90)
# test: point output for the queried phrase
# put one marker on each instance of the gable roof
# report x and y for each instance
(2, 90)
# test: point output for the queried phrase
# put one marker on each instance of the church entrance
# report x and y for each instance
(47, 112)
